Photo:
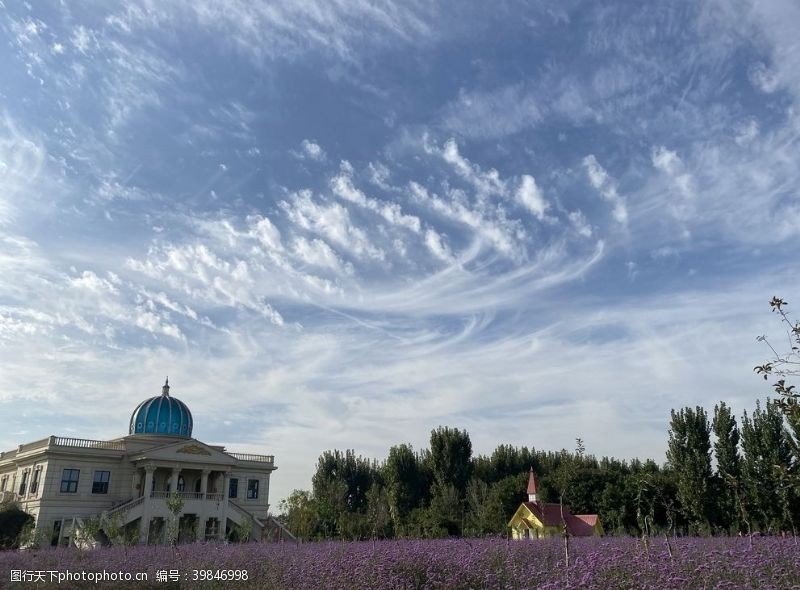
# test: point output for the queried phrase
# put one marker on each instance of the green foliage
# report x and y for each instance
(13, 521)
(405, 484)
(451, 451)
(784, 364)
(765, 444)
(689, 454)
(175, 504)
(378, 512)
(300, 513)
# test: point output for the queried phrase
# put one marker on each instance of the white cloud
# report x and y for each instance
(531, 196)
(492, 114)
(485, 183)
(580, 223)
(268, 30)
(331, 221)
(91, 282)
(607, 187)
(437, 246)
(316, 252)
(342, 186)
(83, 39)
(488, 230)
(681, 184)
(311, 150)
(746, 132)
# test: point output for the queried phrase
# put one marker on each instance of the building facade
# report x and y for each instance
(537, 520)
(64, 482)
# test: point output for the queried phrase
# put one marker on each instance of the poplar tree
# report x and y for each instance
(689, 453)
(729, 464)
(766, 446)
(404, 484)
(451, 451)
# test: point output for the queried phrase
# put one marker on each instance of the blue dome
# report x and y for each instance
(162, 415)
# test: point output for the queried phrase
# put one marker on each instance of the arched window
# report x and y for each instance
(181, 484)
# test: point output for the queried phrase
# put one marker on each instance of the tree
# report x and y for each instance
(784, 364)
(478, 517)
(689, 454)
(729, 464)
(378, 513)
(451, 450)
(299, 512)
(765, 445)
(445, 513)
(340, 486)
(13, 521)
(404, 484)
(175, 505)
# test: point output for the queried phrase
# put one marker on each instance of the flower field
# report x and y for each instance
(608, 563)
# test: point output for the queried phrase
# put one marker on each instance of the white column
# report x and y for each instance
(144, 525)
(201, 525)
(223, 512)
(173, 485)
(204, 482)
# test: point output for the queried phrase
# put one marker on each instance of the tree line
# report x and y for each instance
(722, 476)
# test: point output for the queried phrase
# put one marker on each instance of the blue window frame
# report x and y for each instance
(69, 481)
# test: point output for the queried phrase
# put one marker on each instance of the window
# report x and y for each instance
(35, 483)
(23, 486)
(100, 483)
(181, 484)
(252, 489)
(197, 487)
(69, 481)
(233, 488)
(56, 533)
(4, 483)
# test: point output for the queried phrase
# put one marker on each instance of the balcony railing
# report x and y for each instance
(254, 458)
(122, 508)
(63, 441)
(82, 443)
(188, 496)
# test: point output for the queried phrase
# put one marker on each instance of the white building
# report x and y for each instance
(64, 481)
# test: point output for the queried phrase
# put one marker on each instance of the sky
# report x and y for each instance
(341, 224)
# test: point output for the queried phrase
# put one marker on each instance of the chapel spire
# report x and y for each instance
(533, 484)
(165, 388)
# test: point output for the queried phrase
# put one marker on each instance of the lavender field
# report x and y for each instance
(714, 563)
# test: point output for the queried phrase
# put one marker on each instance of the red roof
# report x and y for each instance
(581, 525)
(549, 514)
(532, 482)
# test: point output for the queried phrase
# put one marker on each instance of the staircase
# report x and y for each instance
(126, 512)
(269, 529)
(240, 516)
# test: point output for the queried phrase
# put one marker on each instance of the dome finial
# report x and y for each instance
(165, 389)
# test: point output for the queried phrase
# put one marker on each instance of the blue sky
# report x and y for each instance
(342, 224)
